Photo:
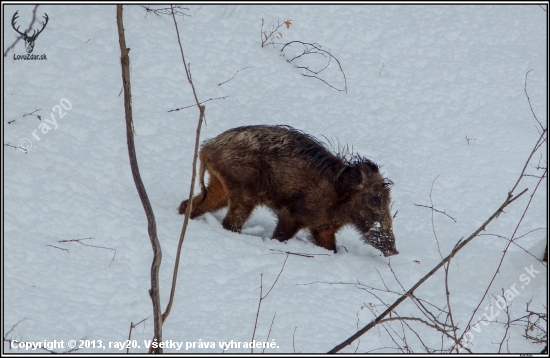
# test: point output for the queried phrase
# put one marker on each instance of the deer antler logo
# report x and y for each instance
(29, 40)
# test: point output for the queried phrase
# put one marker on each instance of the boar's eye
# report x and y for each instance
(375, 201)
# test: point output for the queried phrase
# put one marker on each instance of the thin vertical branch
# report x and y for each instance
(529, 100)
(151, 224)
(192, 188)
(263, 297)
(269, 333)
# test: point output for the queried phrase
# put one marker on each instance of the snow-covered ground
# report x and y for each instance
(433, 93)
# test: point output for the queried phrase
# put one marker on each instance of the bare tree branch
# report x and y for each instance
(193, 105)
(529, 100)
(313, 48)
(151, 224)
(194, 165)
(501, 261)
(233, 75)
(263, 298)
(81, 243)
(16, 147)
(132, 326)
(439, 211)
(509, 199)
(178, 10)
(297, 253)
(273, 29)
(60, 248)
(269, 333)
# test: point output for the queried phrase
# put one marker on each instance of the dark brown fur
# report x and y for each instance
(294, 175)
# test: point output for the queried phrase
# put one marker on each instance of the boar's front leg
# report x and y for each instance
(286, 227)
(325, 237)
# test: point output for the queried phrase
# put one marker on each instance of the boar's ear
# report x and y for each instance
(387, 183)
(364, 180)
(353, 179)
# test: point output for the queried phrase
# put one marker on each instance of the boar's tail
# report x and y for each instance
(201, 179)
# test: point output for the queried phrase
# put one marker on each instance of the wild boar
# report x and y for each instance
(300, 180)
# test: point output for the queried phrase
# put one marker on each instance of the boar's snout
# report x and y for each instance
(382, 240)
(390, 252)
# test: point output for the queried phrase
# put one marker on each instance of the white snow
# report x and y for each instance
(422, 80)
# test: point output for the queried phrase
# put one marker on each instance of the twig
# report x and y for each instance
(377, 349)
(529, 100)
(433, 225)
(514, 241)
(10, 341)
(507, 310)
(357, 325)
(534, 176)
(90, 238)
(269, 333)
(233, 75)
(325, 82)
(273, 29)
(263, 297)
(445, 267)
(132, 326)
(439, 211)
(178, 10)
(193, 105)
(313, 49)
(293, 348)
(448, 294)
(299, 253)
(18, 147)
(12, 328)
(419, 320)
(532, 320)
(60, 248)
(194, 173)
(469, 139)
(30, 114)
(394, 215)
(380, 73)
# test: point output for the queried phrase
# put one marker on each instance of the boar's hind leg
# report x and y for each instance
(325, 237)
(216, 198)
(239, 211)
